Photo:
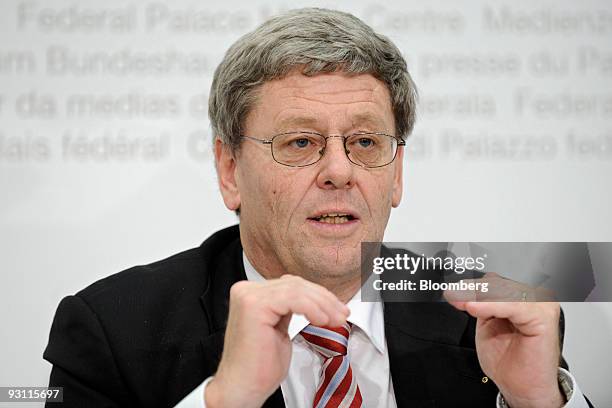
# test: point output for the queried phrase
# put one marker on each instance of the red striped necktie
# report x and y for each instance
(337, 384)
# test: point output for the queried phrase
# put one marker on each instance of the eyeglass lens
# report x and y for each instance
(364, 149)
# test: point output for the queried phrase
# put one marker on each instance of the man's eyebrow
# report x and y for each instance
(296, 123)
(364, 119)
(369, 120)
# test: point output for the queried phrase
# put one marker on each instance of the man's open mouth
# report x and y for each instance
(333, 218)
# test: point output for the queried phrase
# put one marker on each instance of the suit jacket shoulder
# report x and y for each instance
(149, 335)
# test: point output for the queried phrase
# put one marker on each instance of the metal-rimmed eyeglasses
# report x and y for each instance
(302, 148)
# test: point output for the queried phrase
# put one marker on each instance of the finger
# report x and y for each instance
(516, 312)
(314, 286)
(303, 302)
(297, 295)
(326, 297)
(327, 301)
(459, 295)
(459, 304)
(491, 288)
(530, 318)
(278, 298)
(474, 290)
(338, 312)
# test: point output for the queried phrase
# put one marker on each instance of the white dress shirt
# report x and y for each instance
(367, 352)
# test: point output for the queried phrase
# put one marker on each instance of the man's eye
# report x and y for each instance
(365, 142)
(301, 142)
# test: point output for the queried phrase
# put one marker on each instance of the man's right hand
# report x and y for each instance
(257, 348)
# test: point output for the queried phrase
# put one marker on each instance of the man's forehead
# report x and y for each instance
(294, 98)
(326, 84)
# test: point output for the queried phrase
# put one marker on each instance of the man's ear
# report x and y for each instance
(225, 162)
(398, 181)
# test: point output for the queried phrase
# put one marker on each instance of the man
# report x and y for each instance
(309, 111)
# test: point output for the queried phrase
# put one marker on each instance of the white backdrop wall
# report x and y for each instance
(105, 158)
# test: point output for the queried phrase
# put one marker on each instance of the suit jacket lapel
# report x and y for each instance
(224, 269)
(413, 331)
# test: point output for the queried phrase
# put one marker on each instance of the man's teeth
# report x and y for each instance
(333, 218)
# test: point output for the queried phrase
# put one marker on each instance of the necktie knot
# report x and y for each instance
(328, 341)
(337, 384)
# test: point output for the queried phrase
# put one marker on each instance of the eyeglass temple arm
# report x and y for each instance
(264, 141)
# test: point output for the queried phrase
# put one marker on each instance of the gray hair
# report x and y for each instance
(320, 40)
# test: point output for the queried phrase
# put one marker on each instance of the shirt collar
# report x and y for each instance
(367, 316)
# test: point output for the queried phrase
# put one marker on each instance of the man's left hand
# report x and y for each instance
(518, 348)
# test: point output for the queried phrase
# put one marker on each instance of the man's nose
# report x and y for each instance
(336, 171)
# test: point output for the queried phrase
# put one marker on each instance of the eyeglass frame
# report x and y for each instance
(400, 142)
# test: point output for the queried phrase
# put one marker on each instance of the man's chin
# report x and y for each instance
(334, 261)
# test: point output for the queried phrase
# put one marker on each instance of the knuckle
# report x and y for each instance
(285, 296)
(238, 288)
(243, 294)
(292, 278)
(555, 310)
(249, 300)
(295, 282)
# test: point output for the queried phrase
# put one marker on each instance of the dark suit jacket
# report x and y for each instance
(149, 335)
